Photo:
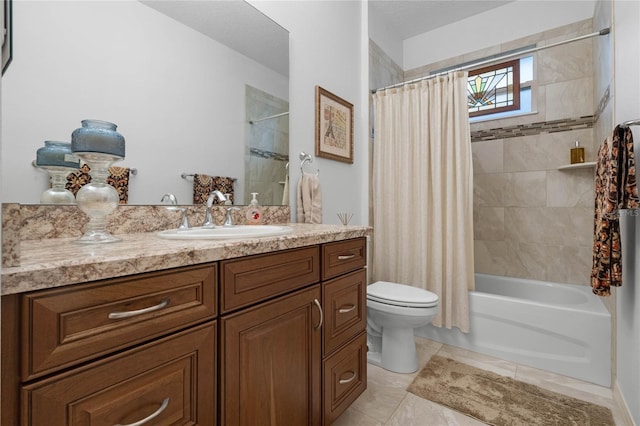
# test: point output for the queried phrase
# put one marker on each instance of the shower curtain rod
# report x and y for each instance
(269, 117)
(602, 32)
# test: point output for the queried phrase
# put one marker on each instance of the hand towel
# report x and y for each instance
(615, 189)
(204, 184)
(118, 178)
(285, 191)
(309, 209)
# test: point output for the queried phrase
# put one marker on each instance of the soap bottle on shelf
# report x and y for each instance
(254, 211)
(577, 154)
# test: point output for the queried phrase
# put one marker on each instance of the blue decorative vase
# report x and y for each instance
(98, 136)
(56, 154)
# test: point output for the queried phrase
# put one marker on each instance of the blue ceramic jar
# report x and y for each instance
(56, 154)
(98, 136)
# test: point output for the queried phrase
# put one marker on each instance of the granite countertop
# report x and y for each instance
(50, 263)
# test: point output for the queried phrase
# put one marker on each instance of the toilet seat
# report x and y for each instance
(401, 295)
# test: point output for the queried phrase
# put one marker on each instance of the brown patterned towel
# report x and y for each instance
(204, 184)
(615, 189)
(118, 178)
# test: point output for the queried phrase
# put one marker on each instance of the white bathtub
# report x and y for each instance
(561, 328)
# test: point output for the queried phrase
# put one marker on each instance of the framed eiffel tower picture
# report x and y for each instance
(334, 127)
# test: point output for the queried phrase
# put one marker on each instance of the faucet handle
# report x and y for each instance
(184, 221)
(208, 218)
(228, 220)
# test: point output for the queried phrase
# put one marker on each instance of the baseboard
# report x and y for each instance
(619, 400)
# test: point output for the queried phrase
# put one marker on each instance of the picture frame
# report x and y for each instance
(334, 127)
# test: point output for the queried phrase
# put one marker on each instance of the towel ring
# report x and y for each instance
(306, 158)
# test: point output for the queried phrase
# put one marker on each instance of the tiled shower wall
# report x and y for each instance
(266, 147)
(532, 220)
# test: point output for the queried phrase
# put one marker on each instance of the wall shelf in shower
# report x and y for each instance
(578, 166)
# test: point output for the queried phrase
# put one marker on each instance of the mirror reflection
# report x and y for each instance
(181, 79)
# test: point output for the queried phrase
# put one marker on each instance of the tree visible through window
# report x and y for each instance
(494, 89)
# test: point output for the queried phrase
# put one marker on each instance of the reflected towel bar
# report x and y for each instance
(635, 122)
(131, 170)
(190, 175)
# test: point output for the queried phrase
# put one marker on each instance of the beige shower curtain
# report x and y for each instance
(423, 192)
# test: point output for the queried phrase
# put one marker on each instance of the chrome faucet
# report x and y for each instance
(184, 221)
(208, 219)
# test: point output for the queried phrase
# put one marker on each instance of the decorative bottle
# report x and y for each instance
(254, 211)
(99, 145)
(577, 154)
(56, 158)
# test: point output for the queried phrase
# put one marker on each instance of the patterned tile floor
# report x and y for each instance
(386, 401)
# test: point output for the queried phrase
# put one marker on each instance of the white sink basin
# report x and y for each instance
(226, 232)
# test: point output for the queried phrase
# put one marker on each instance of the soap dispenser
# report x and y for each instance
(577, 154)
(254, 212)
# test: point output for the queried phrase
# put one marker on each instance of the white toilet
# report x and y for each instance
(393, 311)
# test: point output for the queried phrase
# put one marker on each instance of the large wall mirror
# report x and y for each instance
(195, 87)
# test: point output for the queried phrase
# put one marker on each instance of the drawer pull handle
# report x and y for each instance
(346, 310)
(317, 327)
(346, 256)
(150, 416)
(349, 380)
(116, 315)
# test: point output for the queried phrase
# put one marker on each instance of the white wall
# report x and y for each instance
(326, 49)
(627, 107)
(509, 22)
(176, 95)
(385, 38)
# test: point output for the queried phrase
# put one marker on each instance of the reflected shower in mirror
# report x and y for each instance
(266, 147)
(172, 76)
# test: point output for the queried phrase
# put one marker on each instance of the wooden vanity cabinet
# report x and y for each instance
(113, 351)
(270, 339)
(270, 360)
(344, 304)
(283, 359)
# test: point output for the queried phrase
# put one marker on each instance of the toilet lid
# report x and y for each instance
(401, 295)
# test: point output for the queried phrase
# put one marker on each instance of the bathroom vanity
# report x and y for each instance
(264, 331)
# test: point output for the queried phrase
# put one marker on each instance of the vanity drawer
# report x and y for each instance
(257, 278)
(342, 257)
(173, 378)
(345, 378)
(344, 305)
(66, 326)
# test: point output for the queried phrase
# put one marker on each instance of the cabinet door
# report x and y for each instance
(168, 382)
(271, 361)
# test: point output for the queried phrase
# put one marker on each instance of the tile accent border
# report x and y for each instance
(519, 130)
(554, 126)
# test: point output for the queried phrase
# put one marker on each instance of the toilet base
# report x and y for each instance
(398, 351)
